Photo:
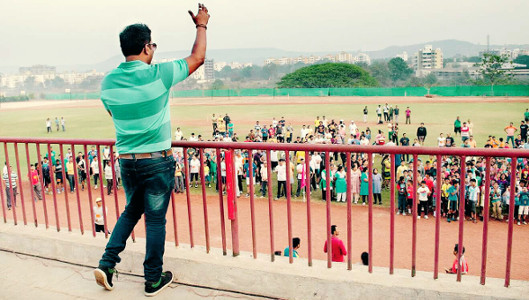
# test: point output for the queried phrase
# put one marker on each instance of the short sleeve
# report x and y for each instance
(173, 72)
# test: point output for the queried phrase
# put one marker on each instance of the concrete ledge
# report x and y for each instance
(258, 276)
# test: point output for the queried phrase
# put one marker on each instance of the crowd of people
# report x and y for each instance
(325, 131)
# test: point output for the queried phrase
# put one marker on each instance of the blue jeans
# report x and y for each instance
(510, 138)
(148, 185)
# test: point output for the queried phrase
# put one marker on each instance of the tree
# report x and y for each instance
(523, 60)
(217, 85)
(491, 67)
(399, 70)
(380, 71)
(328, 75)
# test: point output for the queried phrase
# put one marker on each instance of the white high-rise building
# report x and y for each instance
(427, 59)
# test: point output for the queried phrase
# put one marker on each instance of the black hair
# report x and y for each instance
(365, 258)
(456, 249)
(295, 242)
(133, 38)
(472, 180)
(333, 229)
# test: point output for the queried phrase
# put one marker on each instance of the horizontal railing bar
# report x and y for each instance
(513, 153)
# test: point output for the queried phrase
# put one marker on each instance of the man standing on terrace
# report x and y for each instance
(136, 95)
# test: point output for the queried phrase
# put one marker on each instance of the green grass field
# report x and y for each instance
(94, 122)
(91, 121)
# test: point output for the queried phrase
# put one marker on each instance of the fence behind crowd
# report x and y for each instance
(449, 91)
(92, 157)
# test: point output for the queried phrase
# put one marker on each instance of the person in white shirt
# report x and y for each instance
(281, 171)
(423, 191)
(194, 168)
(352, 127)
(193, 138)
(95, 170)
(264, 179)
(178, 135)
(109, 177)
(99, 220)
(303, 132)
(315, 163)
(441, 141)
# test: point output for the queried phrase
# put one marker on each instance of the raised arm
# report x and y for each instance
(198, 53)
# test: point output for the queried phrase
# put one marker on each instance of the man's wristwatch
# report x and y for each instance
(202, 25)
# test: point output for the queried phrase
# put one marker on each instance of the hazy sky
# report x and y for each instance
(61, 32)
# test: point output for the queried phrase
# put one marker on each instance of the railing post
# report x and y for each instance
(221, 201)
(511, 223)
(76, 178)
(52, 177)
(349, 212)
(204, 198)
(115, 180)
(10, 187)
(462, 201)
(89, 188)
(392, 214)
(270, 203)
(188, 197)
(44, 206)
(486, 209)
(65, 176)
(234, 220)
(20, 184)
(307, 192)
(414, 217)
(289, 207)
(370, 210)
(251, 177)
(102, 189)
(328, 206)
(31, 185)
(437, 216)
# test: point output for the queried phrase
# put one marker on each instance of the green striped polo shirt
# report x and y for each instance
(137, 96)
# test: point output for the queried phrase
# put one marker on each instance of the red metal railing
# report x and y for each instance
(231, 181)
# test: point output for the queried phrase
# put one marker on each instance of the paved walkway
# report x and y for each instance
(27, 277)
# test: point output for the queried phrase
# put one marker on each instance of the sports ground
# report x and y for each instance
(87, 119)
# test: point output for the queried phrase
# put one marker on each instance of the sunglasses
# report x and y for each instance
(153, 45)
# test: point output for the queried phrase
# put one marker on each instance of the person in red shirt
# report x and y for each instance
(462, 262)
(35, 182)
(338, 248)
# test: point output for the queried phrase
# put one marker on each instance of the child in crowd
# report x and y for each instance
(461, 264)
(453, 197)
(423, 191)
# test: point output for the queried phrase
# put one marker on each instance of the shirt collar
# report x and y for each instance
(132, 64)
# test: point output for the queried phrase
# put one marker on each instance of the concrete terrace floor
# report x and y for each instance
(28, 277)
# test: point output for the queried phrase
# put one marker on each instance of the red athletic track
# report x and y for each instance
(425, 242)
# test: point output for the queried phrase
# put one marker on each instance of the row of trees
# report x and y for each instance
(385, 73)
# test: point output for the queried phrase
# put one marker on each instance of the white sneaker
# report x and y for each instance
(363, 203)
(398, 213)
(426, 217)
(418, 217)
(403, 213)
(519, 224)
(434, 214)
(409, 211)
